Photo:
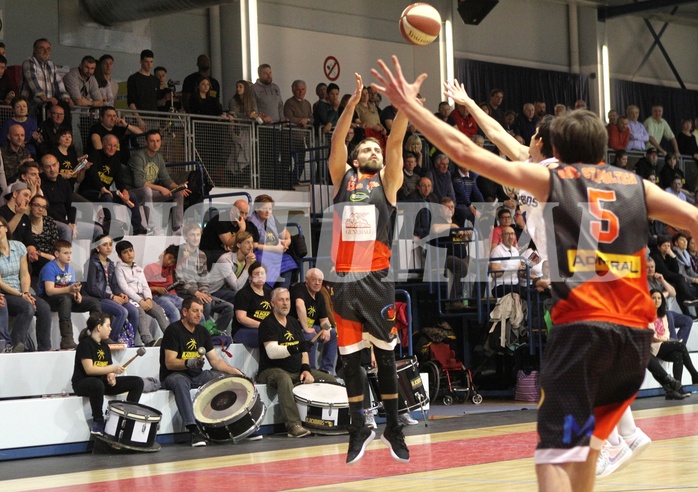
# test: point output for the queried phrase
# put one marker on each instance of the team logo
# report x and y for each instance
(389, 313)
(288, 336)
(358, 197)
(357, 220)
(191, 344)
(311, 312)
(100, 354)
(265, 305)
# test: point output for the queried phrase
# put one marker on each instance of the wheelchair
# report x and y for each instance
(449, 379)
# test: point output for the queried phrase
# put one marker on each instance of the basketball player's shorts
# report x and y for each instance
(364, 309)
(590, 373)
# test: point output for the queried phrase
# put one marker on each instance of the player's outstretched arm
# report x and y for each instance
(667, 208)
(392, 172)
(491, 127)
(459, 148)
(338, 151)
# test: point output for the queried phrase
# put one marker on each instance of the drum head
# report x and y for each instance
(322, 394)
(134, 411)
(222, 399)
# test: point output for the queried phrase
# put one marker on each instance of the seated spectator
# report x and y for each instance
(132, 282)
(192, 271)
(59, 194)
(619, 134)
(15, 213)
(467, 194)
(658, 130)
(284, 360)
(424, 195)
(105, 173)
(508, 124)
(7, 93)
(463, 120)
(667, 264)
(219, 233)
(656, 281)
(150, 182)
(81, 84)
(252, 306)
(669, 172)
(648, 164)
(440, 178)
(67, 157)
(50, 128)
(271, 242)
(505, 272)
(32, 137)
(45, 233)
(160, 277)
(693, 252)
(675, 189)
(672, 387)
(308, 306)
(229, 274)
(13, 155)
(21, 304)
(688, 145)
(444, 111)
(526, 123)
(620, 159)
(639, 137)
(414, 144)
(181, 366)
(101, 284)
(58, 287)
(504, 219)
(679, 244)
(110, 124)
(94, 373)
(666, 349)
(410, 178)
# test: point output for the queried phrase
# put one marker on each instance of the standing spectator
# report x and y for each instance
(639, 137)
(444, 110)
(326, 112)
(203, 63)
(495, 105)
(142, 88)
(526, 123)
(268, 96)
(658, 129)
(540, 108)
(150, 182)
(410, 177)
(82, 85)
(202, 102)
(7, 94)
(42, 85)
(243, 104)
(687, 142)
(463, 120)
(321, 93)
(612, 118)
(618, 133)
(505, 271)
(108, 87)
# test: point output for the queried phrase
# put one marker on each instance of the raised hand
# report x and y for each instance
(395, 87)
(456, 91)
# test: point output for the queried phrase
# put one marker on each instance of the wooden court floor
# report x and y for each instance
(472, 452)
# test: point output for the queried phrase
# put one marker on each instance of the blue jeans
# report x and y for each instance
(181, 384)
(249, 337)
(4, 326)
(329, 350)
(119, 314)
(23, 312)
(171, 304)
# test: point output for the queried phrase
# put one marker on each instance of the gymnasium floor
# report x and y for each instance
(457, 451)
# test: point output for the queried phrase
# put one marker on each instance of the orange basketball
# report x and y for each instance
(420, 23)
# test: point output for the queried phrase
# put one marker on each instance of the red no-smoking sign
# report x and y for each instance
(331, 68)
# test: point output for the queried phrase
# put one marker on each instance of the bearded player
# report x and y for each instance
(365, 194)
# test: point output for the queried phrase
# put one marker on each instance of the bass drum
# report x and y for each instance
(228, 409)
(323, 407)
(410, 388)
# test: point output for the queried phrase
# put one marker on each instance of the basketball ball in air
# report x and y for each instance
(420, 23)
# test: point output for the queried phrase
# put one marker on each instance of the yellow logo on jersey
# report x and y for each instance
(100, 354)
(261, 315)
(191, 344)
(580, 260)
(289, 336)
(265, 305)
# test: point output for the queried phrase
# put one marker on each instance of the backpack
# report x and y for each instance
(200, 185)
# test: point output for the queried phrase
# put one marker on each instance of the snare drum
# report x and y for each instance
(323, 407)
(228, 408)
(132, 426)
(409, 384)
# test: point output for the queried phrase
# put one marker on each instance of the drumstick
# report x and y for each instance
(312, 340)
(141, 351)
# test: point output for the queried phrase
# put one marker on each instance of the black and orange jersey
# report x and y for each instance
(600, 234)
(361, 228)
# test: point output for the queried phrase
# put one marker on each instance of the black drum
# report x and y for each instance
(323, 407)
(228, 408)
(132, 426)
(409, 387)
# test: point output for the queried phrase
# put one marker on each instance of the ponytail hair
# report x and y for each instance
(97, 318)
